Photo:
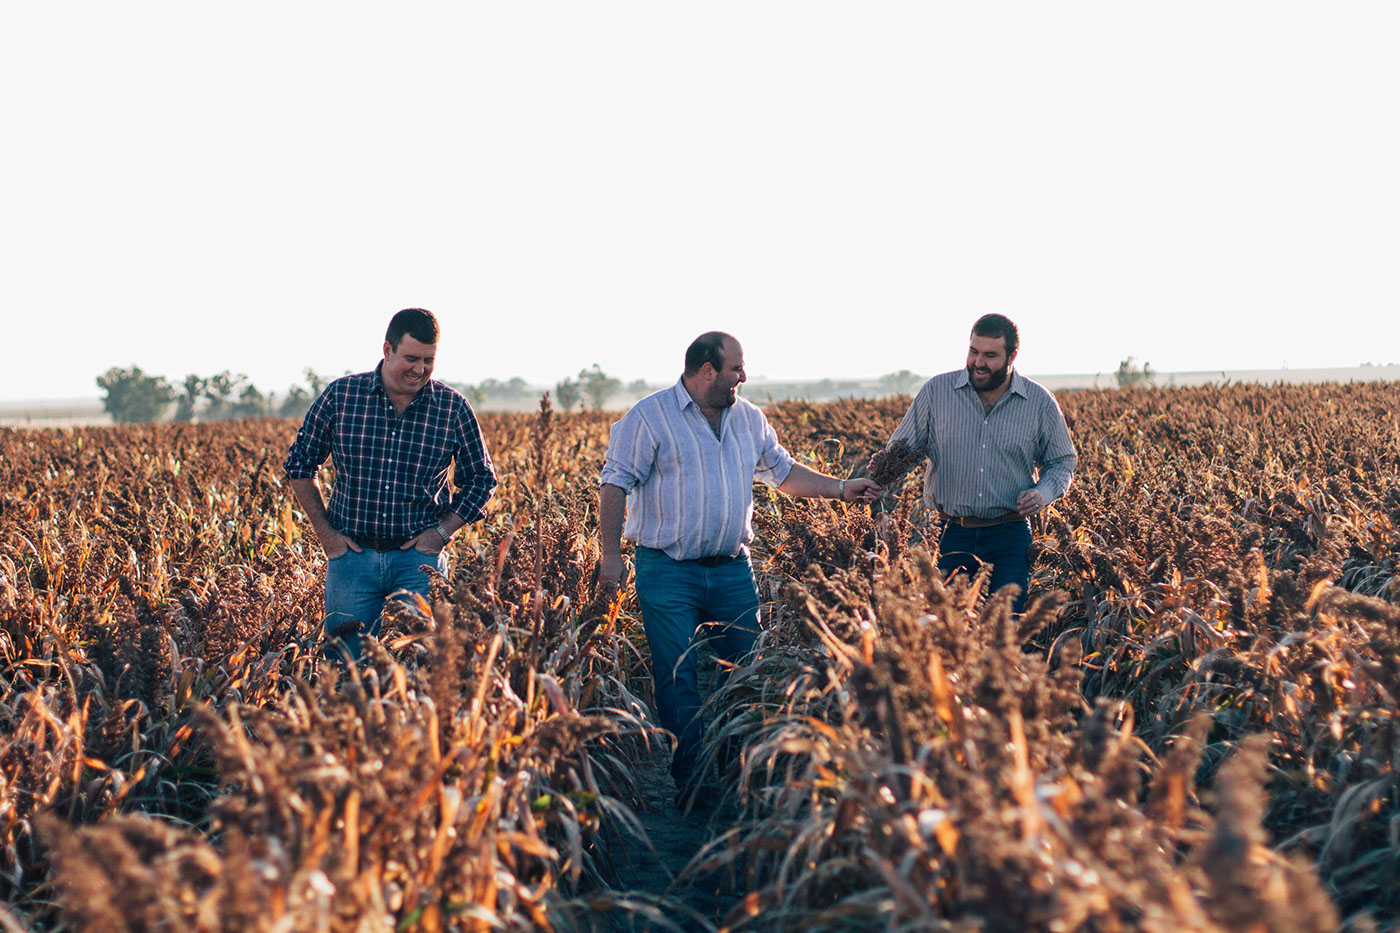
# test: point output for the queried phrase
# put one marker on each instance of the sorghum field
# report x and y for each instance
(1192, 727)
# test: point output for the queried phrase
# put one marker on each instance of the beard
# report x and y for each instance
(721, 398)
(993, 380)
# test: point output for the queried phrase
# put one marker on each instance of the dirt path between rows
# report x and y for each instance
(652, 867)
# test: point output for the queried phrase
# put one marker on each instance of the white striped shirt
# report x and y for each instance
(690, 493)
(980, 461)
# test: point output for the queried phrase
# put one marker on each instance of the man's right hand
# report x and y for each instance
(335, 544)
(610, 572)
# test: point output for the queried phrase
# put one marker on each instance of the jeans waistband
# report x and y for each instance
(710, 560)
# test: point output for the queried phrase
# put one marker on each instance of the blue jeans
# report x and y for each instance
(676, 597)
(358, 583)
(1005, 547)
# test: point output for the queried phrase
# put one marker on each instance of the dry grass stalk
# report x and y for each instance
(911, 754)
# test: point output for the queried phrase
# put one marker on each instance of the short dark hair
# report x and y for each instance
(707, 348)
(998, 325)
(418, 323)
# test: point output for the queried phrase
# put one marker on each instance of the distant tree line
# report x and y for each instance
(135, 396)
(593, 386)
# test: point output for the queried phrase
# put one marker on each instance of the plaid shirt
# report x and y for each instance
(391, 469)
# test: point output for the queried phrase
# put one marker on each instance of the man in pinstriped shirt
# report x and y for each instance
(999, 451)
(681, 466)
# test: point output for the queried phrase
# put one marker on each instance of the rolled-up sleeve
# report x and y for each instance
(1058, 457)
(916, 427)
(313, 441)
(472, 473)
(774, 462)
(631, 453)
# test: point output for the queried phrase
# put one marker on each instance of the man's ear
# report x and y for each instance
(387, 348)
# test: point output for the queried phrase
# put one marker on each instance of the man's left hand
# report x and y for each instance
(861, 490)
(428, 541)
(1029, 502)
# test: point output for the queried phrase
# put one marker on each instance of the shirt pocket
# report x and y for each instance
(425, 461)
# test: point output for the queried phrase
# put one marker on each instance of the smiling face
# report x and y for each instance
(723, 390)
(988, 366)
(408, 367)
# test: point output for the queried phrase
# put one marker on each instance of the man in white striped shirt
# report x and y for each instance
(681, 466)
(999, 451)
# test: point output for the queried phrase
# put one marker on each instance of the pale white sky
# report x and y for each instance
(258, 186)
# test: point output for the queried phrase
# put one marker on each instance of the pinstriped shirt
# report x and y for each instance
(980, 461)
(390, 468)
(690, 493)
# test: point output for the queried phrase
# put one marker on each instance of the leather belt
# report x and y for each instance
(1005, 519)
(379, 544)
(712, 560)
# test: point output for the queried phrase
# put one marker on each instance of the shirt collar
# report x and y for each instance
(682, 395)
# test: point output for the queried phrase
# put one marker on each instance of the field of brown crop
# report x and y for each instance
(1192, 727)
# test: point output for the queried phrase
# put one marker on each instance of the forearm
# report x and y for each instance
(309, 497)
(808, 483)
(1055, 478)
(450, 522)
(612, 507)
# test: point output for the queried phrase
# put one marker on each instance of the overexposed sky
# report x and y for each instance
(258, 186)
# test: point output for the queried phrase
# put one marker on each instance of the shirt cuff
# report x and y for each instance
(300, 470)
(468, 513)
(776, 475)
(616, 476)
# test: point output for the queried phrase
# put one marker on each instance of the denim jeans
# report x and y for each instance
(1005, 547)
(676, 597)
(358, 583)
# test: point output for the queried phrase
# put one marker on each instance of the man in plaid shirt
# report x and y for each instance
(391, 434)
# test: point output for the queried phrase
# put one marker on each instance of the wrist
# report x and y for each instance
(841, 491)
(442, 532)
